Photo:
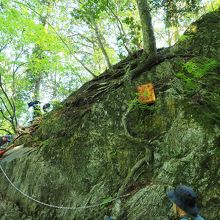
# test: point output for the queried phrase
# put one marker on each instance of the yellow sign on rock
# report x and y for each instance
(146, 93)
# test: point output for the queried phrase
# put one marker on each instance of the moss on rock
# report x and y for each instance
(85, 156)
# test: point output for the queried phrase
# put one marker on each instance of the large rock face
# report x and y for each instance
(96, 147)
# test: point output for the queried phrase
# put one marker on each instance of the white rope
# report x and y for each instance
(55, 206)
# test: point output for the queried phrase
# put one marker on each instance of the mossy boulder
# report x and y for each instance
(96, 154)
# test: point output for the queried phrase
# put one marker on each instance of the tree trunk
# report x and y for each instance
(102, 46)
(172, 20)
(169, 40)
(37, 88)
(38, 51)
(55, 86)
(149, 42)
(167, 31)
(176, 26)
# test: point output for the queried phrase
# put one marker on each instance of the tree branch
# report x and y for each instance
(84, 37)
(4, 92)
(77, 42)
(120, 28)
(3, 47)
(102, 46)
(7, 131)
(5, 117)
(14, 112)
(3, 102)
(58, 35)
(6, 44)
(12, 105)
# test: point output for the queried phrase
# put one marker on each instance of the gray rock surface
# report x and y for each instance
(93, 149)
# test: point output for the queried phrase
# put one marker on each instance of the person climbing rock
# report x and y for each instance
(4, 140)
(184, 201)
(36, 107)
(46, 107)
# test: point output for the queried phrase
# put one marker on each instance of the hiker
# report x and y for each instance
(4, 140)
(46, 107)
(36, 107)
(184, 201)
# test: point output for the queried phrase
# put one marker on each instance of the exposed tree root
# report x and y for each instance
(117, 209)
(134, 169)
(126, 132)
(143, 64)
(132, 138)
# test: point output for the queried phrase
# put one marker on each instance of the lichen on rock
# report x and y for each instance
(83, 155)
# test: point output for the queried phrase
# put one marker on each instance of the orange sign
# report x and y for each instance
(146, 93)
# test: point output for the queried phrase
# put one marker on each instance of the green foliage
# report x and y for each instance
(57, 104)
(201, 89)
(200, 67)
(178, 9)
(134, 31)
(196, 69)
(30, 50)
(90, 10)
(213, 5)
(136, 104)
(184, 38)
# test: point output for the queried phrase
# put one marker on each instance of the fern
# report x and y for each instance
(199, 67)
(194, 70)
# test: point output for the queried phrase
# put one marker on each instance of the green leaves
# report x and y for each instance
(198, 68)
(137, 104)
(195, 69)
(90, 10)
(31, 51)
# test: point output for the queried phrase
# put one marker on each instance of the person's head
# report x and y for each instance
(5, 139)
(34, 103)
(184, 200)
(46, 107)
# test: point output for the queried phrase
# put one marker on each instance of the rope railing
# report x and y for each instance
(56, 206)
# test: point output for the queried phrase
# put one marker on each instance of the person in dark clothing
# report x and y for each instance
(36, 107)
(46, 107)
(34, 103)
(184, 201)
(4, 140)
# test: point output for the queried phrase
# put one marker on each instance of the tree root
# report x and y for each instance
(134, 169)
(127, 134)
(146, 63)
(135, 139)
(117, 209)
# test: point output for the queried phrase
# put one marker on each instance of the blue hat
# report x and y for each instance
(185, 198)
(36, 102)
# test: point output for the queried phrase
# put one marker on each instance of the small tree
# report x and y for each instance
(7, 109)
(149, 42)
